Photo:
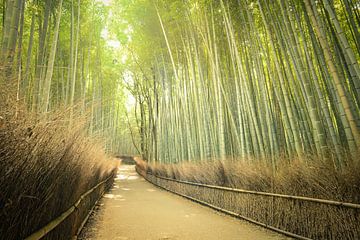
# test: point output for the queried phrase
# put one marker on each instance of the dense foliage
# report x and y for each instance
(59, 54)
(230, 79)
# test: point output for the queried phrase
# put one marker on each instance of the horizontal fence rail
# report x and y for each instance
(57, 221)
(317, 200)
(295, 216)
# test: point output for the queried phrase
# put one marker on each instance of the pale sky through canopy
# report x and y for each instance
(106, 2)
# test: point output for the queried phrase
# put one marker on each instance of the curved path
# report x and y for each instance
(137, 210)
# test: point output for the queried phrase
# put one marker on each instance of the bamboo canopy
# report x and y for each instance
(238, 79)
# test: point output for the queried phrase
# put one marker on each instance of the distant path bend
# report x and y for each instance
(137, 210)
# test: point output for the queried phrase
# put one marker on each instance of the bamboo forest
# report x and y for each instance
(120, 118)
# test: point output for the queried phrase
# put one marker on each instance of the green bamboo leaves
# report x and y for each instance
(253, 78)
(56, 54)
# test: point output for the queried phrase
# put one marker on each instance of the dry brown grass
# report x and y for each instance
(316, 178)
(44, 168)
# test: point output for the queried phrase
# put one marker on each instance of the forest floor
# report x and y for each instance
(137, 210)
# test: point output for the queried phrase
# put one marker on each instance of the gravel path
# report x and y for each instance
(137, 210)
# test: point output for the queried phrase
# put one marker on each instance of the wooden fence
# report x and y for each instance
(75, 207)
(295, 216)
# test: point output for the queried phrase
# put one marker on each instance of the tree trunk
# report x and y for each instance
(50, 67)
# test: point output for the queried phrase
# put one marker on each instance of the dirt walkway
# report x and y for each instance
(137, 210)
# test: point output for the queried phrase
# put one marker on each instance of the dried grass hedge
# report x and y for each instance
(44, 168)
(316, 179)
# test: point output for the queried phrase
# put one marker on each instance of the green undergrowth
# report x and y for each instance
(45, 166)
